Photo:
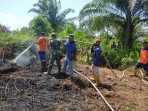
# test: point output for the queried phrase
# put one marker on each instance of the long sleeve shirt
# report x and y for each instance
(71, 47)
(96, 56)
(42, 44)
(55, 47)
(144, 55)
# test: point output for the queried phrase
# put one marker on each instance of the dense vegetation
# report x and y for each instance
(112, 21)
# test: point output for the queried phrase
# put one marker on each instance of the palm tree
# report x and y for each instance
(51, 10)
(121, 15)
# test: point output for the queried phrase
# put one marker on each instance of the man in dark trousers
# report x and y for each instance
(143, 60)
(42, 50)
(96, 62)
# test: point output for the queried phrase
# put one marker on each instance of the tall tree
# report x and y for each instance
(51, 10)
(121, 15)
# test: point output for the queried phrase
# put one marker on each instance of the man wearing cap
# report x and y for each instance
(55, 45)
(96, 62)
(143, 61)
(71, 47)
(42, 50)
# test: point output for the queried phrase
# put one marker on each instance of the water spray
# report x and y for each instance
(16, 59)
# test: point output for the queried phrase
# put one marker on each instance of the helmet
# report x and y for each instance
(144, 42)
(71, 36)
(42, 33)
(97, 41)
(53, 35)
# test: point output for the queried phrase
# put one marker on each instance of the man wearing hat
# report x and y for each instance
(42, 50)
(96, 62)
(143, 61)
(71, 47)
(55, 45)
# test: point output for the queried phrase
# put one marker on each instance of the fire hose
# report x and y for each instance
(96, 90)
(120, 78)
(123, 74)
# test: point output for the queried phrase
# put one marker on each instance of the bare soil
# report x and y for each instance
(130, 94)
(30, 90)
(27, 89)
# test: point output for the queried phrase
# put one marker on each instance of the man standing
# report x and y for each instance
(143, 61)
(71, 48)
(96, 62)
(113, 46)
(55, 45)
(42, 50)
(119, 45)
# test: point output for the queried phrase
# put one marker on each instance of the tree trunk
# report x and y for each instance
(127, 30)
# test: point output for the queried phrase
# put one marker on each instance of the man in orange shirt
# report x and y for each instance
(143, 61)
(42, 50)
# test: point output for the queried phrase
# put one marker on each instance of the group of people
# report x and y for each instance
(113, 46)
(55, 45)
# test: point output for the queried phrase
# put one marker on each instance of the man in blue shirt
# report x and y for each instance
(96, 62)
(113, 46)
(71, 47)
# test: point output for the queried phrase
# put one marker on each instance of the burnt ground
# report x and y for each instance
(29, 90)
(26, 89)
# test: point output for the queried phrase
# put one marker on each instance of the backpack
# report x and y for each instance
(72, 56)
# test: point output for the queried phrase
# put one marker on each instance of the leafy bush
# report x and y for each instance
(69, 29)
(40, 24)
(16, 41)
(146, 39)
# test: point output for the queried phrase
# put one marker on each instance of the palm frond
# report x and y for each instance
(35, 10)
(66, 12)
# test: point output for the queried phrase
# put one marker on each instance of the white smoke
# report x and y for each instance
(30, 56)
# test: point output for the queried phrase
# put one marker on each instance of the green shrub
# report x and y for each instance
(40, 24)
(16, 41)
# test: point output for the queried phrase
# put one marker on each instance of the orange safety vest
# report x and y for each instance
(42, 44)
(144, 56)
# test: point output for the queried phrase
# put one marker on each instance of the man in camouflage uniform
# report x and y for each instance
(55, 44)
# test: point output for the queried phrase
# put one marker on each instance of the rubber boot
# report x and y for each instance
(145, 76)
(59, 69)
(48, 71)
(135, 72)
(44, 66)
(93, 78)
(97, 79)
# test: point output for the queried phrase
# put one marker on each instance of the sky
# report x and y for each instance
(14, 13)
